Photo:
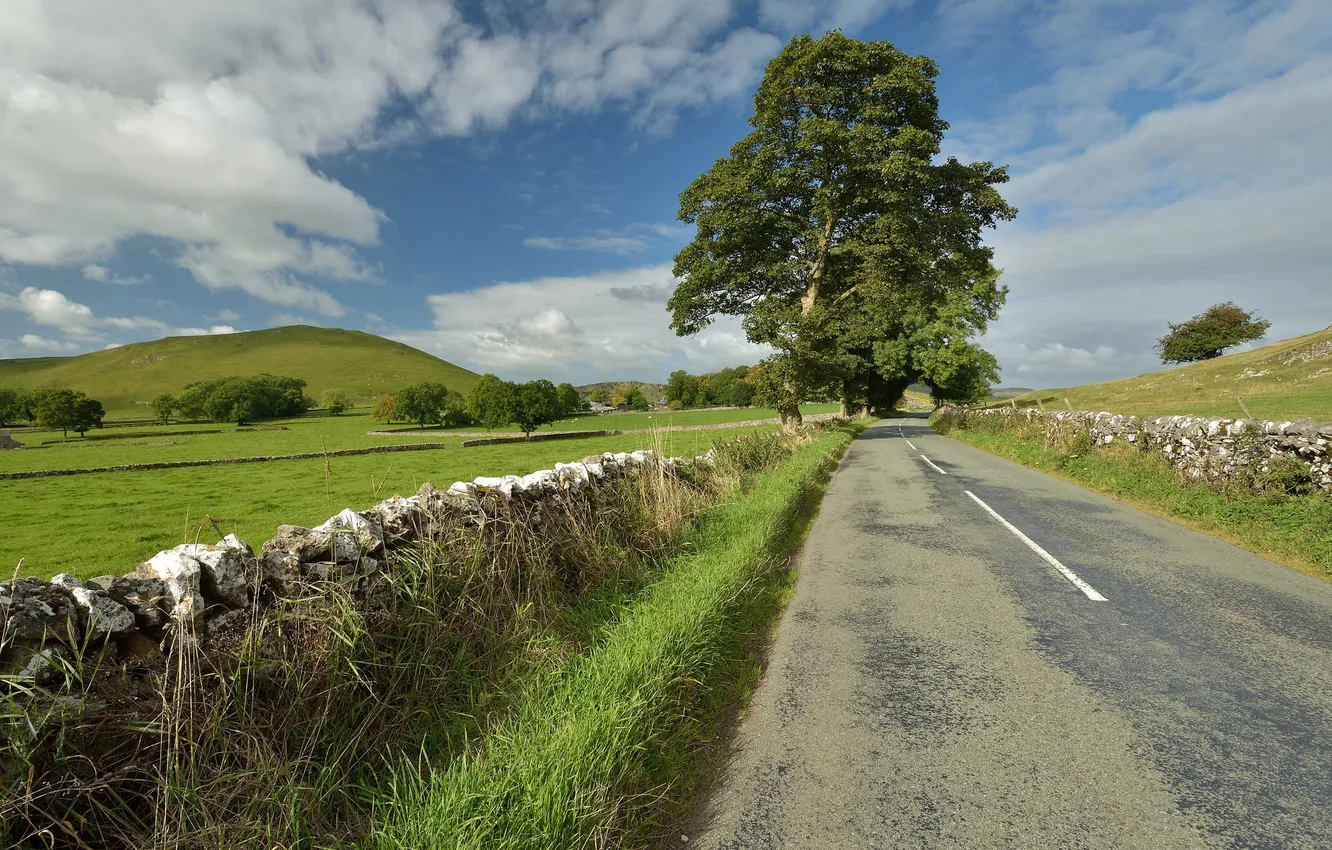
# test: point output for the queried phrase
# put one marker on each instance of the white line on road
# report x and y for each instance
(1090, 591)
(913, 446)
(933, 464)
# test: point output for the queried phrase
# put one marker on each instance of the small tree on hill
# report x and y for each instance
(383, 411)
(163, 406)
(601, 395)
(336, 402)
(1210, 333)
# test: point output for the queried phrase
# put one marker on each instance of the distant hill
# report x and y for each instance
(1010, 392)
(651, 392)
(124, 379)
(1290, 379)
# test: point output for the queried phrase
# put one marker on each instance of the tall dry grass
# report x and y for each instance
(285, 730)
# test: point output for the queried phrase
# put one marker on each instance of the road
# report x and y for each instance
(937, 682)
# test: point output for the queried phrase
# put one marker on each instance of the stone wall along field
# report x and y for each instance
(199, 592)
(1200, 447)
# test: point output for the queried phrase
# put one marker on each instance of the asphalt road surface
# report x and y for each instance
(1111, 680)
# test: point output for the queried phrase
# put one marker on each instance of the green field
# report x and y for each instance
(151, 444)
(107, 522)
(1290, 379)
(125, 379)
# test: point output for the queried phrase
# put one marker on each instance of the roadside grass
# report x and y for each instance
(1289, 379)
(589, 758)
(1294, 530)
(305, 434)
(102, 523)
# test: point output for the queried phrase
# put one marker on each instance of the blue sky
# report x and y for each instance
(496, 182)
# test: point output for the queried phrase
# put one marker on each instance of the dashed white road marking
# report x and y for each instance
(1087, 589)
(913, 446)
(934, 465)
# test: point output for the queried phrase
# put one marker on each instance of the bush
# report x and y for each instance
(1286, 475)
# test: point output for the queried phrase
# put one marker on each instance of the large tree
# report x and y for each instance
(69, 410)
(491, 402)
(1210, 333)
(836, 236)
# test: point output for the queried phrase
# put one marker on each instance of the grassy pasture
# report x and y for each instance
(101, 523)
(1290, 379)
(308, 434)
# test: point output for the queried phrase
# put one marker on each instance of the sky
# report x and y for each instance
(496, 182)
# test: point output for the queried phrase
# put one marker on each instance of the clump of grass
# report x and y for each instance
(285, 731)
(587, 759)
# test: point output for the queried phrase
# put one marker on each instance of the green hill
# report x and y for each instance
(124, 379)
(1290, 379)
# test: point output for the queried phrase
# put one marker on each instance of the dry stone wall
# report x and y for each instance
(1201, 447)
(199, 592)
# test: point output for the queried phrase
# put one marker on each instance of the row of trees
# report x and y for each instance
(726, 387)
(68, 410)
(236, 399)
(491, 403)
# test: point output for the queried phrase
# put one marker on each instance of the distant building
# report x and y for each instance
(599, 407)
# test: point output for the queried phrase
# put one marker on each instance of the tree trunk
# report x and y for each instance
(791, 418)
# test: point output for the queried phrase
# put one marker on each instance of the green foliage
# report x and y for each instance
(601, 395)
(163, 405)
(741, 394)
(569, 765)
(831, 230)
(336, 402)
(491, 402)
(9, 407)
(636, 400)
(1210, 333)
(535, 403)
(241, 400)
(383, 411)
(68, 410)
(570, 401)
(190, 403)
(421, 403)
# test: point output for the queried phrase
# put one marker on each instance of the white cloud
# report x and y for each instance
(77, 322)
(196, 121)
(34, 341)
(603, 326)
(1131, 221)
(104, 275)
(227, 316)
(278, 320)
(634, 239)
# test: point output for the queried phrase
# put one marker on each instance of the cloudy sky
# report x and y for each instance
(496, 181)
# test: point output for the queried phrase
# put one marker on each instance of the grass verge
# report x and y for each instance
(1294, 530)
(588, 759)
